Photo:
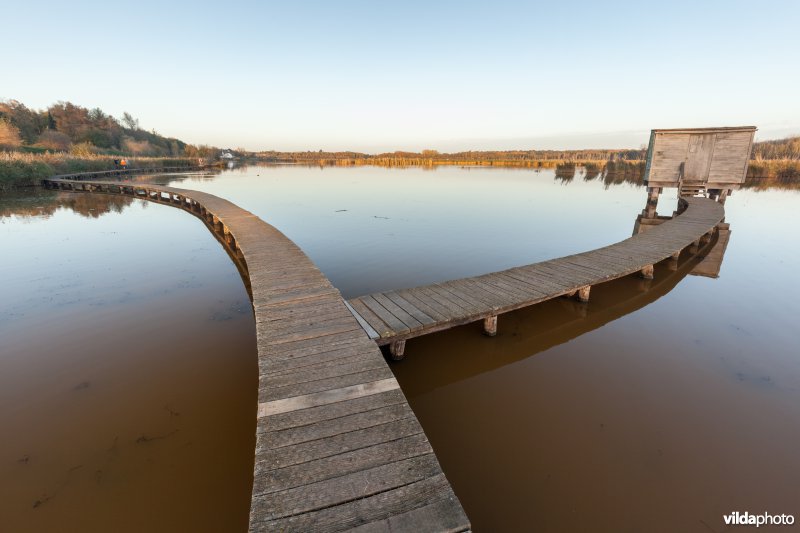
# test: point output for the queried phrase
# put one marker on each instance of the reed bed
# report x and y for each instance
(18, 169)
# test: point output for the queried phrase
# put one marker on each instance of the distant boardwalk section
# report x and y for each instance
(704, 164)
(338, 446)
(394, 316)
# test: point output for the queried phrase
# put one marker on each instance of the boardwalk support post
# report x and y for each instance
(672, 264)
(583, 293)
(490, 326)
(647, 272)
(397, 349)
(652, 202)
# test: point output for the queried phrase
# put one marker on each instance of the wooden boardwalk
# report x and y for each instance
(123, 172)
(394, 316)
(337, 444)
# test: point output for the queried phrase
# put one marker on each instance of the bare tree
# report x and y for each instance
(130, 122)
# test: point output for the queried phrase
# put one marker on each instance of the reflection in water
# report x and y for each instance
(565, 172)
(660, 410)
(711, 264)
(44, 203)
(127, 369)
(659, 406)
(655, 407)
(543, 326)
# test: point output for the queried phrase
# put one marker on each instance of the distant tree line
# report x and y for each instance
(781, 149)
(66, 127)
(435, 157)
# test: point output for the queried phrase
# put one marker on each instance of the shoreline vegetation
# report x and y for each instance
(21, 169)
(772, 159)
(67, 138)
(27, 170)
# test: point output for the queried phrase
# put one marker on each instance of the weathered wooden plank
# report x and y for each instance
(285, 326)
(303, 348)
(444, 311)
(326, 381)
(295, 403)
(479, 303)
(345, 357)
(369, 510)
(356, 357)
(348, 462)
(405, 317)
(395, 324)
(349, 487)
(491, 297)
(527, 289)
(369, 330)
(270, 458)
(297, 420)
(545, 284)
(419, 315)
(316, 332)
(336, 426)
(381, 327)
(441, 512)
(290, 312)
(423, 306)
(470, 305)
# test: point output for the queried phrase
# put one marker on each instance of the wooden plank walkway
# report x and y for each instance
(392, 317)
(337, 445)
(124, 171)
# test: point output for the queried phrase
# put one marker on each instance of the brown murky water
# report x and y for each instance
(659, 406)
(127, 370)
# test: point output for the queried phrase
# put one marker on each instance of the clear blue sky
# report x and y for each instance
(446, 75)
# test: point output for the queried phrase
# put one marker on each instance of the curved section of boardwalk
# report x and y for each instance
(394, 316)
(337, 445)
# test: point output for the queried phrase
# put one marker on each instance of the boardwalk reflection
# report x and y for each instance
(710, 260)
(538, 328)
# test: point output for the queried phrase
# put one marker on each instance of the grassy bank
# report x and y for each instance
(26, 169)
(774, 168)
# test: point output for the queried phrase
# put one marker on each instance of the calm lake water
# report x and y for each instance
(128, 364)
